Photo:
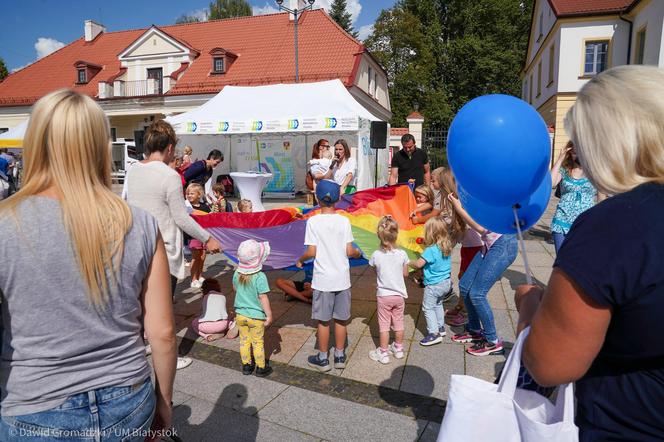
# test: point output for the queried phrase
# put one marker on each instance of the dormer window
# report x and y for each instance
(82, 77)
(85, 71)
(218, 65)
(221, 60)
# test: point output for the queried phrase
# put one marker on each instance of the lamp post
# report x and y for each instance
(296, 12)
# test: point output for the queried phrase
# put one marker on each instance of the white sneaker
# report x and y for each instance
(196, 284)
(201, 280)
(396, 352)
(183, 362)
(378, 356)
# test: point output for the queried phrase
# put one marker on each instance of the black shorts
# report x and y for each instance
(299, 285)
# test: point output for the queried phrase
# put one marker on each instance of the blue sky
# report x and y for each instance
(32, 29)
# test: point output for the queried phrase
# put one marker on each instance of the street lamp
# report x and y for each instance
(296, 12)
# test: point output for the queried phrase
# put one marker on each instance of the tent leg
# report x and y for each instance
(376, 172)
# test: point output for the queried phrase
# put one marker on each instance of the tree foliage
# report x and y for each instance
(441, 53)
(3, 69)
(229, 8)
(184, 18)
(338, 11)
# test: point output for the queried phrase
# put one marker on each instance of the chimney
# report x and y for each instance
(92, 30)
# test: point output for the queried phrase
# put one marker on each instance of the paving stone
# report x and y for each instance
(279, 305)
(535, 259)
(311, 347)
(199, 420)
(485, 367)
(298, 316)
(504, 326)
(361, 313)
(179, 397)
(219, 381)
(338, 420)
(281, 344)
(428, 369)
(362, 368)
(358, 270)
(430, 433)
(496, 297)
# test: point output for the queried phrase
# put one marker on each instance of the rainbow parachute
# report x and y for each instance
(284, 228)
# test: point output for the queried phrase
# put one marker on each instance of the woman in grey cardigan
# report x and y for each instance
(156, 188)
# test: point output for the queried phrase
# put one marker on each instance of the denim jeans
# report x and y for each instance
(558, 239)
(432, 305)
(105, 414)
(481, 275)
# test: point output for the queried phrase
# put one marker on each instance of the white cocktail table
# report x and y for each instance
(250, 185)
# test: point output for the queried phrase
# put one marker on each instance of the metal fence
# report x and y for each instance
(435, 144)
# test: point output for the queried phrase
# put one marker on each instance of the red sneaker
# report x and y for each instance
(486, 348)
(466, 337)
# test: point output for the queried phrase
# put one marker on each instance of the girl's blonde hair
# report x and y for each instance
(244, 278)
(426, 191)
(435, 232)
(67, 145)
(244, 204)
(617, 128)
(448, 186)
(387, 231)
(188, 150)
(197, 187)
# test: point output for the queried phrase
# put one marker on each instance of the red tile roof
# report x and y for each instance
(415, 114)
(567, 8)
(398, 131)
(263, 44)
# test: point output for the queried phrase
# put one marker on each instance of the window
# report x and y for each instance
(218, 65)
(552, 63)
(539, 79)
(596, 56)
(530, 90)
(640, 46)
(82, 77)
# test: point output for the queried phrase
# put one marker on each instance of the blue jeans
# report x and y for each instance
(105, 414)
(432, 305)
(481, 275)
(558, 239)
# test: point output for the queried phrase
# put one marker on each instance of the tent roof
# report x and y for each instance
(14, 136)
(271, 104)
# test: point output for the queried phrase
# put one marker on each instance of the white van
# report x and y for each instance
(123, 156)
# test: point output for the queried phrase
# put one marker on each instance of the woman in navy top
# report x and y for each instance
(598, 321)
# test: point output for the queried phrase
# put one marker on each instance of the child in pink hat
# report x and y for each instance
(252, 306)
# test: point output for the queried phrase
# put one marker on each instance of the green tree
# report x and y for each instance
(184, 18)
(441, 53)
(3, 69)
(229, 8)
(343, 18)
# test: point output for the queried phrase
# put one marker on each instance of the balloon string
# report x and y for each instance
(522, 244)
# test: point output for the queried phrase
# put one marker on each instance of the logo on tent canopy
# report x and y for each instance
(293, 124)
(223, 126)
(191, 127)
(257, 125)
(330, 123)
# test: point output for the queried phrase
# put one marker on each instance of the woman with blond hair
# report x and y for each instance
(75, 293)
(596, 323)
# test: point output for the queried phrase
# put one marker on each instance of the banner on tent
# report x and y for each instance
(275, 156)
(308, 124)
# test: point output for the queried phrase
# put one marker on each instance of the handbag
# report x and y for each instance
(309, 181)
(508, 413)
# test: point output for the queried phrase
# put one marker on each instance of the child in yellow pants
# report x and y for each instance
(252, 306)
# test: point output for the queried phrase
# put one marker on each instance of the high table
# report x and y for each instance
(250, 185)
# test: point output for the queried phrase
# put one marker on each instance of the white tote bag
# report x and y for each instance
(478, 410)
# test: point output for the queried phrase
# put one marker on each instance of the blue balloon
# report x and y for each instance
(499, 149)
(501, 219)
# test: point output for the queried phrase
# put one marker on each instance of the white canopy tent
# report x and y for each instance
(272, 128)
(13, 138)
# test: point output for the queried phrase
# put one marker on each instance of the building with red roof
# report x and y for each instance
(144, 74)
(573, 40)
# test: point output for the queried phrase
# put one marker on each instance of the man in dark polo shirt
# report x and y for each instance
(410, 163)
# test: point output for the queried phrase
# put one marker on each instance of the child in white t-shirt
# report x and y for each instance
(214, 317)
(391, 266)
(329, 240)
